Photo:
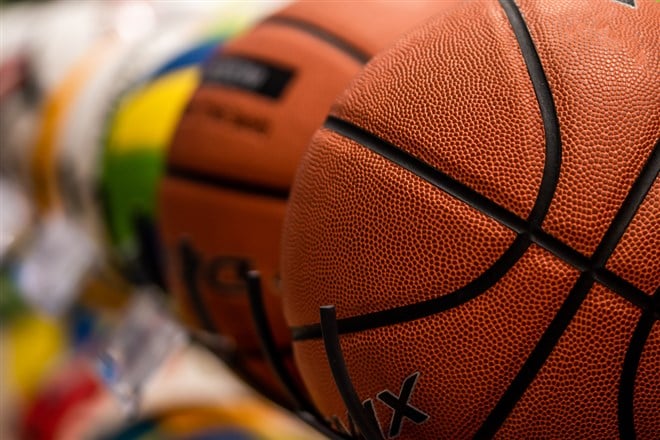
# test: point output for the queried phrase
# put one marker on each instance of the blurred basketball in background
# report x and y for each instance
(234, 155)
(482, 207)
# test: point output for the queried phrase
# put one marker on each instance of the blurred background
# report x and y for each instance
(90, 94)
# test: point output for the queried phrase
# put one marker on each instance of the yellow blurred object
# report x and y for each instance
(104, 290)
(32, 345)
(251, 415)
(157, 107)
(184, 421)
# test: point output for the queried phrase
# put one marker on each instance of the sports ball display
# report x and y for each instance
(139, 131)
(69, 150)
(66, 158)
(235, 152)
(482, 207)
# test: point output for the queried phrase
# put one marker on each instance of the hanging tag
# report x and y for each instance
(55, 265)
(144, 339)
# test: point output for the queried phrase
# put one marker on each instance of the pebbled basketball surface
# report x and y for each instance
(483, 209)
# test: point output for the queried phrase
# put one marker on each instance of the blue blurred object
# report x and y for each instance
(82, 326)
(194, 55)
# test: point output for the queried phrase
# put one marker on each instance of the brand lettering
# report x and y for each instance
(231, 115)
(224, 275)
(630, 3)
(399, 404)
(251, 75)
(238, 71)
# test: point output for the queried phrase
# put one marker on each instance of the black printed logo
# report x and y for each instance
(399, 405)
(630, 3)
(248, 74)
(224, 275)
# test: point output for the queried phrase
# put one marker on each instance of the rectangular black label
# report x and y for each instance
(247, 74)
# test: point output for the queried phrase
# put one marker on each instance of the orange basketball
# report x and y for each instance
(482, 207)
(235, 153)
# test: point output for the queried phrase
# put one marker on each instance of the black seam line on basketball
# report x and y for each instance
(190, 282)
(458, 190)
(427, 308)
(623, 288)
(423, 309)
(206, 179)
(629, 374)
(546, 191)
(484, 205)
(430, 174)
(547, 109)
(562, 320)
(629, 207)
(322, 34)
(537, 358)
(615, 231)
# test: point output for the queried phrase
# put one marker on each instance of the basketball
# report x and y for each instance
(234, 155)
(482, 208)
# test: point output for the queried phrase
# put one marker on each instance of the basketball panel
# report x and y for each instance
(365, 235)
(455, 93)
(575, 393)
(640, 245)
